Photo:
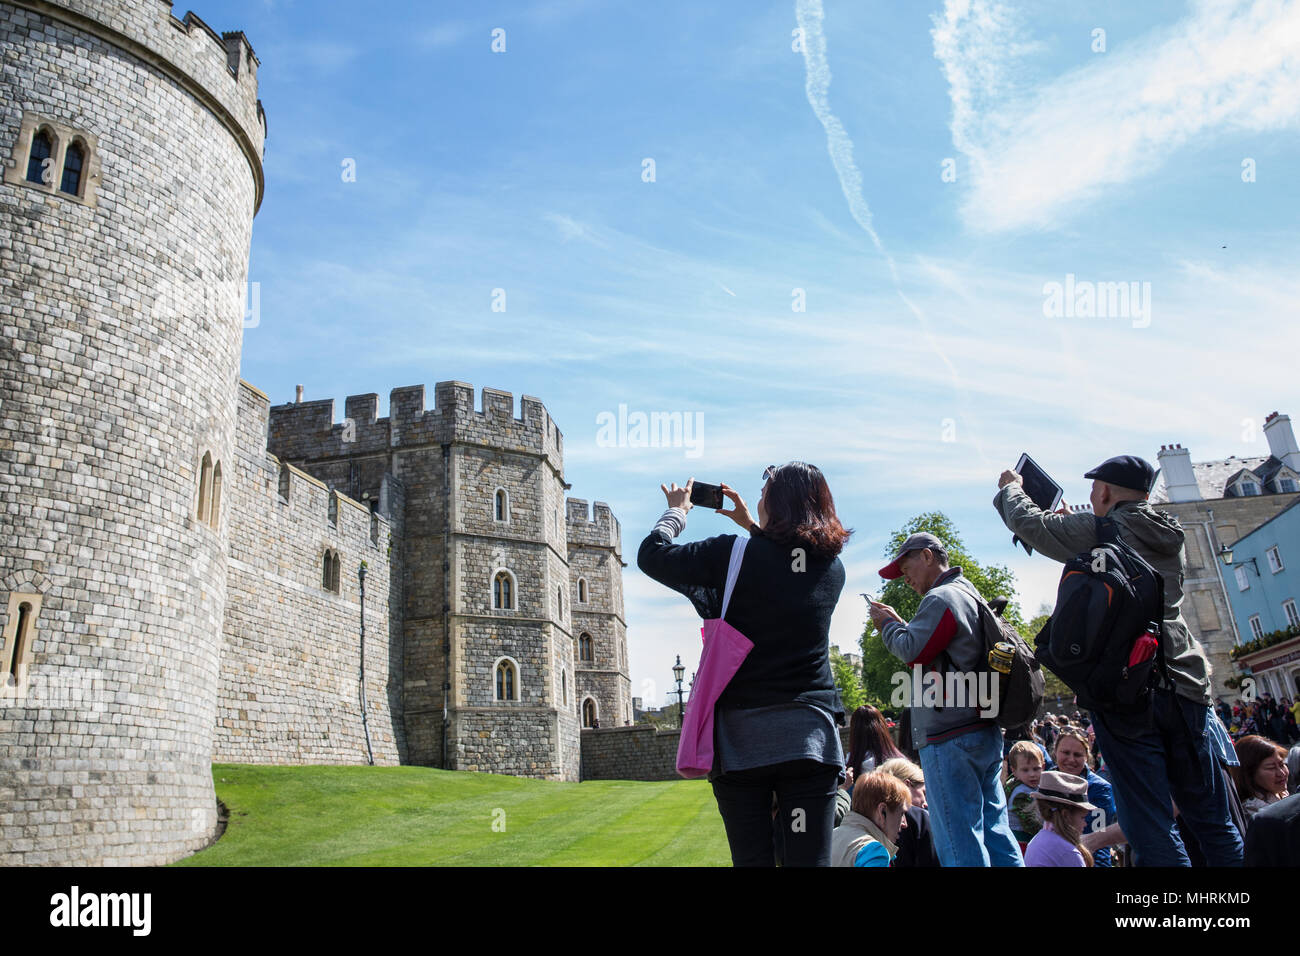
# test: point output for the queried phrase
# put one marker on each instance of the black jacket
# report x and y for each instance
(780, 603)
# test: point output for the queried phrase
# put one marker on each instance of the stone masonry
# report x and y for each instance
(121, 304)
(180, 561)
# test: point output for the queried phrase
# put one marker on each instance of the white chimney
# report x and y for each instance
(1281, 440)
(298, 397)
(1176, 466)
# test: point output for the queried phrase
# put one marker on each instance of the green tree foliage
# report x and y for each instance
(852, 694)
(1054, 688)
(878, 665)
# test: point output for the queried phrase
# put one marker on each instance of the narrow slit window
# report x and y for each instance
(73, 165)
(37, 164)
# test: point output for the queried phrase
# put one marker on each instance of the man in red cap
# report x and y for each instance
(1165, 757)
(959, 745)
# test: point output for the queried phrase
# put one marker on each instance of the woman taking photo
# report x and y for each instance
(775, 724)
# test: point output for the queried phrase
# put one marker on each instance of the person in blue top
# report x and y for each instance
(868, 836)
(1072, 755)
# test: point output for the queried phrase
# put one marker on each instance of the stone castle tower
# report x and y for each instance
(190, 574)
(133, 168)
(509, 624)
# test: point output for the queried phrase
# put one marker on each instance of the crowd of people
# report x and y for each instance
(1174, 782)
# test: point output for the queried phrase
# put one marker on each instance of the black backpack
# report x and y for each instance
(1020, 693)
(1108, 598)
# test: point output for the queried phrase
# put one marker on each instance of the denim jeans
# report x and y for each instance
(805, 793)
(968, 807)
(1167, 753)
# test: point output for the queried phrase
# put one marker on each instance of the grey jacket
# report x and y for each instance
(1156, 535)
(944, 638)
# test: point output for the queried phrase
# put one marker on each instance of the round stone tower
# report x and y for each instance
(132, 152)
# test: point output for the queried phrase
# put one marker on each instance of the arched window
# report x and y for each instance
(38, 170)
(330, 568)
(582, 590)
(501, 505)
(589, 717)
(503, 591)
(14, 664)
(507, 680)
(205, 488)
(334, 508)
(73, 164)
(216, 496)
(585, 652)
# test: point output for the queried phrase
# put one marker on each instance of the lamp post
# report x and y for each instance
(678, 671)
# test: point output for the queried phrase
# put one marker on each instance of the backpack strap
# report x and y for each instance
(1107, 532)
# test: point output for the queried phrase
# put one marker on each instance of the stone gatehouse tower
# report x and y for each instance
(510, 611)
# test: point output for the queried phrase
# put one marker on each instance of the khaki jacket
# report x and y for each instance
(854, 832)
(1155, 535)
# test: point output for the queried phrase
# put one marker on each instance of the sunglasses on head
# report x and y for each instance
(769, 472)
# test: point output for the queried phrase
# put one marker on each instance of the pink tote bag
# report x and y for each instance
(725, 649)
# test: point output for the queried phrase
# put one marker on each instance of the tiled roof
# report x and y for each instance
(1211, 476)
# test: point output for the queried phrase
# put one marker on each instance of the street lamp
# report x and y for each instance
(1225, 553)
(678, 671)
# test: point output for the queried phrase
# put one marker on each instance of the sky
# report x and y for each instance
(860, 234)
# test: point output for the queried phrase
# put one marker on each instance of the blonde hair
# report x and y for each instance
(1079, 735)
(1066, 825)
(904, 770)
(1023, 748)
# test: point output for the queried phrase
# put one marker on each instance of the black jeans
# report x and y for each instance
(805, 793)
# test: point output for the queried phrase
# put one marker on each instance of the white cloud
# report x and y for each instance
(1036, 151)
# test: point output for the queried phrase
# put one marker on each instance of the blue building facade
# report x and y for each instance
(1263, 584)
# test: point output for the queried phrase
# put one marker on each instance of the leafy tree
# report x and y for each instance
(852, 694)
(1054, 686)
(878, 665)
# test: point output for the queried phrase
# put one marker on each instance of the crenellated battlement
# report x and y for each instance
(306, 431)
(601, 530)
(218, 69)
(303, 492)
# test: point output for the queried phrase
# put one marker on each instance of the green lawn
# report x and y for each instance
(418, 816)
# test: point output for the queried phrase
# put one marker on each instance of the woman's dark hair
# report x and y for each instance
(1253, 750)
(800, 510)
(869, 734)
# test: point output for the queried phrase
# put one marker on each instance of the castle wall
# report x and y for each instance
(122, 322)
(291, 655)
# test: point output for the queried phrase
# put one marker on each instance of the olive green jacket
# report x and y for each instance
(1155, 535)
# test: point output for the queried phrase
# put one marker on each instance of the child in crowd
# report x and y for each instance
(1062, 800)
(1026, 763)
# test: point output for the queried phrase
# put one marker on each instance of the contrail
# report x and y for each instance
(810, 15)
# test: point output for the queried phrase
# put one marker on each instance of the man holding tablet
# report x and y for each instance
(1148, 755)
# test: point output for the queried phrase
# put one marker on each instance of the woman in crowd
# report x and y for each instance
(916, 841)
(1261, 778)
(870, 832)
(775, 724)
(870, 743)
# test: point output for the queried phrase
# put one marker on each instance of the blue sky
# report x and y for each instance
(923, 361)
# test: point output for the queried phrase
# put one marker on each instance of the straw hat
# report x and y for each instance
(1063, 788)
